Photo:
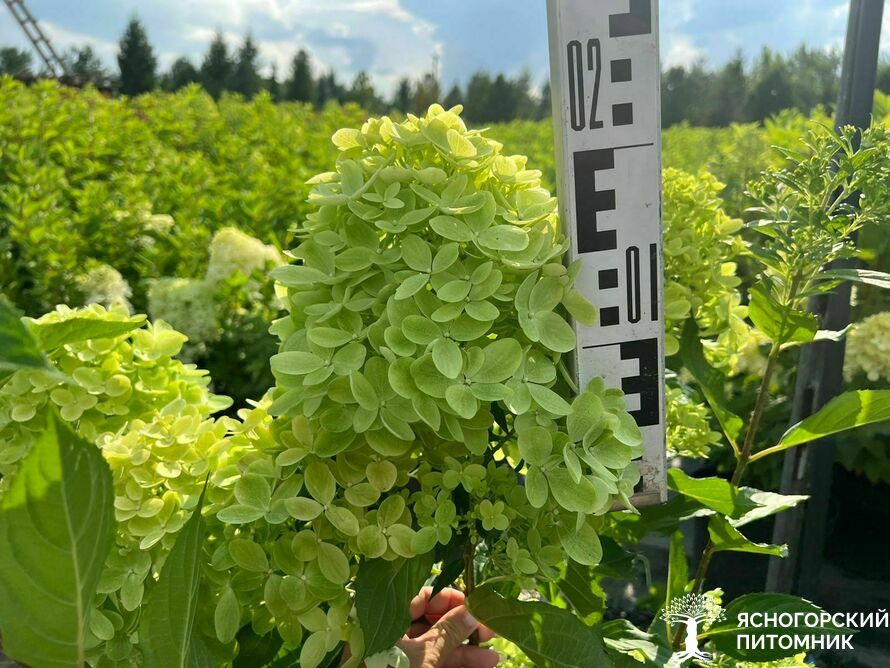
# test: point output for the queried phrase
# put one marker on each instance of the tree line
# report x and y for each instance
(698, 94)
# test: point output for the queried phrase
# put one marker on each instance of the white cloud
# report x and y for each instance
(205, 35)
(676, 13)
(379, 36)
(63, 39)
(681, 52)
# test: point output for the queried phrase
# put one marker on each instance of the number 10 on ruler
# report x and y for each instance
(605, 82)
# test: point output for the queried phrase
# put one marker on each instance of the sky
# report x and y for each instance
(397, 38)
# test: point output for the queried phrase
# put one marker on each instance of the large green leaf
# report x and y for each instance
(868, 277)
(56, 529)
(714, 493)
(742, 505)
(292, 659)
(847, 411)
(768, 503)
(622, 636)
(165, 632)
(617, 562)
(206, 653)
(663, 518)
(709, 379)
(551, 637)
(580, 585)
(51, 335)
(18, 349)
(725, 633)
(383, 592)
(581, 589)
(451, 570)
(780, 324)
(727, 538)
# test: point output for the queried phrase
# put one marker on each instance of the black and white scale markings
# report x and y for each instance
(605, 83)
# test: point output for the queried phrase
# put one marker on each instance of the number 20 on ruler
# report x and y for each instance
(605, 82)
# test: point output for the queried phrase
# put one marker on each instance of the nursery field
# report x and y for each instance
(281, 367)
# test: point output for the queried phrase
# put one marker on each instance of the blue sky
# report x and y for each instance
(395, 38)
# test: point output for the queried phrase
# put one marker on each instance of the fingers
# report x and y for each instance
(426, 611)
(467, 656)
(485, 633)
(417, 629)
(449, 633)
(445, 600)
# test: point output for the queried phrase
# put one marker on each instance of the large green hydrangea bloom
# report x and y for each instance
(421, 400)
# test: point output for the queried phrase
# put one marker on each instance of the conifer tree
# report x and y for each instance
(15, 62)
(181, 74)
(246, 78)
(300, 87)
(455, 96)
(402, 99)
(136, 60)
(216, 70)
(363, 93)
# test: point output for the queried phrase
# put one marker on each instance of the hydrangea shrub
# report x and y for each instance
(700, 246)
(196, 306)
(115, 380)
(226, 313)
(420, 372)
(188, 305)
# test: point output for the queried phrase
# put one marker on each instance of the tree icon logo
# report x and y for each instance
(697, 612)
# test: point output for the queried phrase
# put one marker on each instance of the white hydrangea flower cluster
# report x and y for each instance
(232, 251)
(157, 223)
(746, 355)
(868, 348)
(103, 284)
(188, 305)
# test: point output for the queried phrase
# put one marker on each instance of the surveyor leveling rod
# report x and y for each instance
(606, 90)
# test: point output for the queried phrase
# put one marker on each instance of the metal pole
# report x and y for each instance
(808, 469)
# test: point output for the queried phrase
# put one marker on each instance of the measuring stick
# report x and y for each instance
(605, 84)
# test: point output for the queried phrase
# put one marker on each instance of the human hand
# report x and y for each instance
(440, 627)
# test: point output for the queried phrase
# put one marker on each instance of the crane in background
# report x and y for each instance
(44, 48)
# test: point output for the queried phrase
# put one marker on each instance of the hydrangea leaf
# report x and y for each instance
(56, 529)
(167, 625)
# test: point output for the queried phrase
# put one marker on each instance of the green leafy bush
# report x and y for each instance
(141, 185)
